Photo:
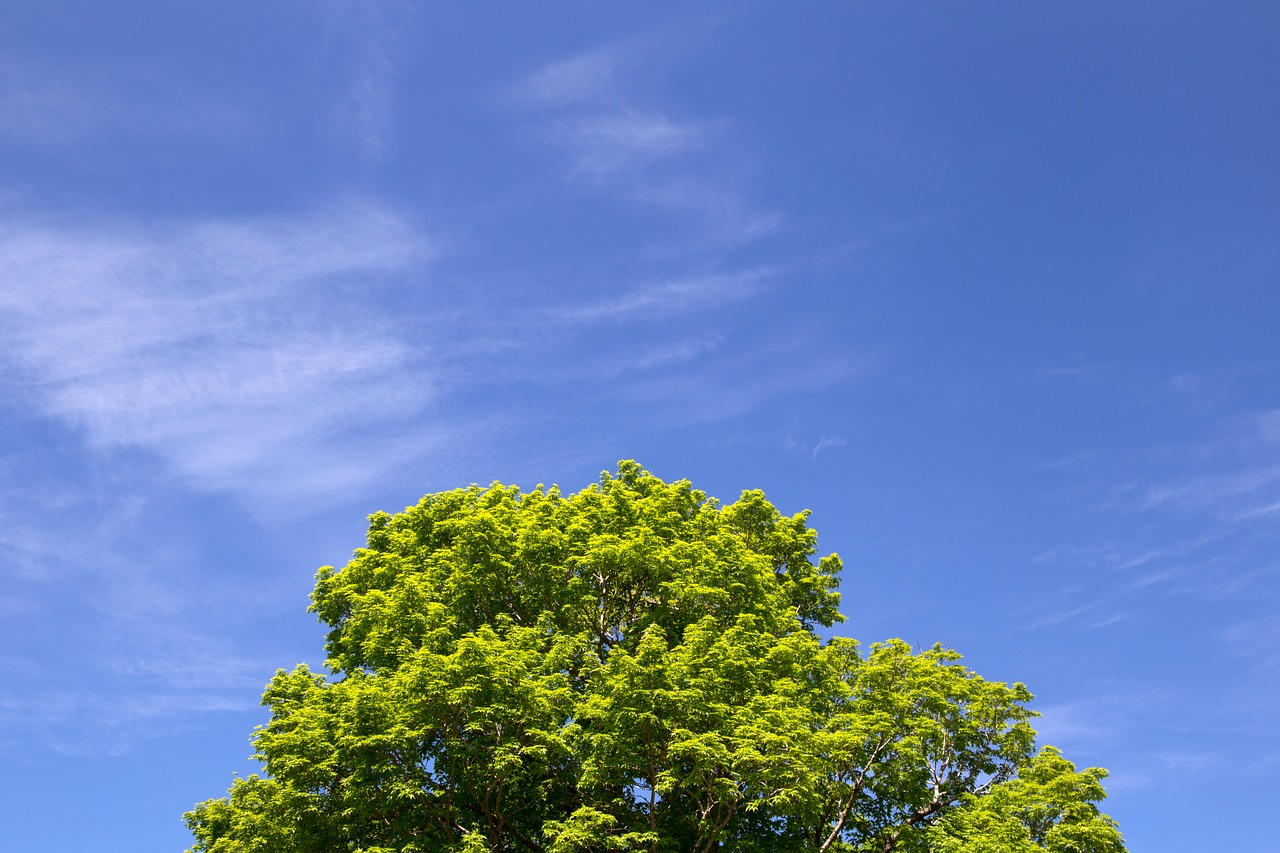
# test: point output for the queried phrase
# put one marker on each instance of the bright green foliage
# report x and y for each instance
(632, 667)
(1049, 806)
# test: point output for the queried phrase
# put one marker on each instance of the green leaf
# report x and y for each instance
(630, 667)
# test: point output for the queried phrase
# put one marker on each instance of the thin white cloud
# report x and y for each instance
(364, 114)
(677, 353)
(45, 114)
(1069, 461)
(1258, 512)
(725, 219)
(1268, 426)
(47, 107)
(1141, 559)
(824, 443)
(1233, 584)
(1078, 722)
(1059, 616)
(605, 371)
(1147, 735)
(258, 358)
(628, 140)
(794, 445)
(235, 350)
(669, 296)
(575, 80)
(587, 107)
(1256, 639)
(734, 385)
(1233, 477)
(1071, 371)
(1053, 613)
(137, 639)
(597, 76)
(94, 723)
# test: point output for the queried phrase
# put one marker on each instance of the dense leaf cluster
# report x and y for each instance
(631, 667)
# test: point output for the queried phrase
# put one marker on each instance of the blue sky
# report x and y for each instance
(991, 288)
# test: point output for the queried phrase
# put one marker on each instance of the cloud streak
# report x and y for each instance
(44, 106)
(627, 140)
(669, 296)
(640, 154)
(364, 114)
(583, 78)
(236, 350)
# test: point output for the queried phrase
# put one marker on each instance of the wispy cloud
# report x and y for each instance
(627, 140)
(1258, 512)
(734, 383)
(306, 356)
(1257, 639)
(681, 352)
(1181, 550)
(96, 723)
(583, 78)
(114, 628)
(1233, 474)
(236, 350)
(795, 445)
(121, 619)
(1083, 721)
(48, 107)
(665, 297)
(825, 443)
(1071, 371)
(619, 144)
(1080, 606)
(1206, 519)
(364, 115)
(724, 218)
(1131, 730)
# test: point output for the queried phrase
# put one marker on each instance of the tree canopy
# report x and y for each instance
(633, 667)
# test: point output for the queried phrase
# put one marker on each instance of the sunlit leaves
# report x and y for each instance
(631, 667)
(1049, 806)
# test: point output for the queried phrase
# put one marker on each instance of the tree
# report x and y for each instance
(633, 667)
